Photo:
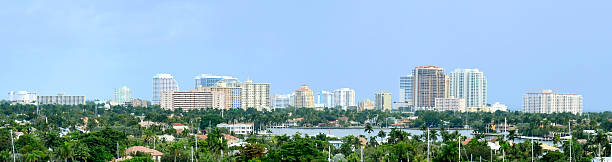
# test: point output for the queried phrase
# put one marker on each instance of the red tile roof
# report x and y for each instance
(143, 149)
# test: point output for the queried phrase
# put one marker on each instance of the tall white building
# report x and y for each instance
(22, 97)
(405, 90)
(123, 95)
(325, 98)
(255, 95)
(344, 98)
(281, 101)
(384, 101)
(469, 84)
(162, 83)
(548, 102)
(61, 99)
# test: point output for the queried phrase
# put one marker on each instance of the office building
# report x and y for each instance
(162, 83)
(366, 104)
(255, 95)
(384, 101)
(406, 90)
(450, 104)
(325, 98)
(61, 99)
(429, 83)
(186, 100)
(207, 80)
(548, 102)
(281, 101)
(469, 84)
(22, 97)
(123, 95)
(303, 98)
(344, 98)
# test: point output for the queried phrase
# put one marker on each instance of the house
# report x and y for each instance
(165, 137)
(179, 127)
(230, 139)
(155, 155)
(238, 128)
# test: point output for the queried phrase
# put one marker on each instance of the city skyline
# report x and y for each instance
(78, 49)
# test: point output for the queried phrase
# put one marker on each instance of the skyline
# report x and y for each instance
(92, 48)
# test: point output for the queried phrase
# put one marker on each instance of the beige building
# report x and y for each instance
(304, 98)
(548, 102)
(384, 101)
(429, 83)
(137, 103)
(255, 95)
(450, 104)
(225, 97)
(61, 99)
(366, 104)
(186, 100)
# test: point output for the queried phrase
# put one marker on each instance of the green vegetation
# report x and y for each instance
(107, 133)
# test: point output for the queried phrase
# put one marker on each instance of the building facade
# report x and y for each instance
(228, 97)
(325, 98)
(303, 98)
(207, 80)
(22, 97)
(548, 102)
(469, 84)
(344, 98)
(450, 104)
(429, 83)
(186, 100)
(162, 83)
(406, 90)
(384, 101)
(238, 128)
(281, 101)
(61, 99)
(137, 103)
(255, 95)
(123, 95)
(366, 104)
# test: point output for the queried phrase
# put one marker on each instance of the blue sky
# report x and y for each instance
(90, 48)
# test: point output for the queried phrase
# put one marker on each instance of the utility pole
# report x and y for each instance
(13, 144)
(503, 155)
(196, 141)
(117, 150)
(329, 154)
(427, 144)
(599, 147)
(191, 153)
(532, 150)
(505, 127)
(569, 126)
(154, 141)
(459, 141)
(362, 153)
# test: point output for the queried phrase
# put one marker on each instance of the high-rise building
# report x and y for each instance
(450, 104)
(384, 101)
(186, 100)
(366, 104)
(207, 80)
(123, 95)
(325, 98)
(22, 97)
(137, 103)
(429, 83)
(281, 101)
(303, 98)
(548, 102)
(162, 83)
(344, 98)
(231, 97)
(255, 95)
(406, 90)
(469, 84)
(61, 99)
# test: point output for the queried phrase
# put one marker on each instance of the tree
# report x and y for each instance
(368, 128)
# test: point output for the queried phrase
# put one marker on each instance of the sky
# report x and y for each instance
(93, 47)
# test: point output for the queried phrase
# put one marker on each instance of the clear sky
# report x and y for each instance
(91, 48)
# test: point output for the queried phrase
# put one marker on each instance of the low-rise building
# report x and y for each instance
(61, 99)
(450, 104)
(22, 97)
(155, 155)
(238, 128)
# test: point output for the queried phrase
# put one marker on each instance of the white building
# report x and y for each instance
(162, 83)
(344, 98)
(61, 99)
(238, 128)
(325, 98)
(22, 97)
(450, 104)
(281, 101)
(255, 95)
(123, 95)
(405, 89)
(187, 100)
(549, 102)
(384, 101)
(498, 107)
(469, 84)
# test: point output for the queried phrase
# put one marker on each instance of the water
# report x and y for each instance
(349, 131)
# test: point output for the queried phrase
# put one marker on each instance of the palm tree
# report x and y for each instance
(66, 151)
(368, 128)
(382, 134)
